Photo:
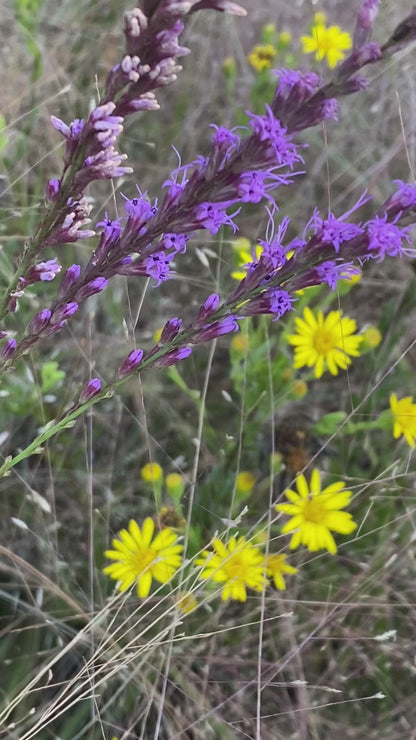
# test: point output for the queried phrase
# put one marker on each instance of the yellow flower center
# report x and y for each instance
(235, 567)
(314, 512)
(324, 341)
(143, 558)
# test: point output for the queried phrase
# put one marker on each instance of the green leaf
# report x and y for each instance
(329, 423)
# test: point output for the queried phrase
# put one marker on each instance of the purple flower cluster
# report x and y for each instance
(243, 166)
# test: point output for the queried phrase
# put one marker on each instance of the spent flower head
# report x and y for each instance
(237, 564)
(315, 513)
(139, 557)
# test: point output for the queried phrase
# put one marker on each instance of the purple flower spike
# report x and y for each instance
(9, 349)
(386, 239)
(52, 190)
(64, 312)
(211, 217)
(216, 329)
(94, 286)
(365, 21)
(170, 330)
(176, 242)
(171, 358)
(69, 279)
(90, 390)
(403, 199)
(208, 307)
(40, 321)
(42, 272)
(273, 301)
(130, 363)
(157, 266)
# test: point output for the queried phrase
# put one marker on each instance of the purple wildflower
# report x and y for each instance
(211, 216)
(403, 199)
(90, 390)
(170, 330)
(328, 272)
(386, 239)
(70, 228)
(42, 272)
(39, 322)
(365, 21)
(208, 307)
(293, 89)
(333, 230)
(157, 266)
(268, 131)
(69, 279)
(8, 349)
(52, 190)
(367, 54)
(176, 242)
(172, 357)
(64, 312)
(216, 329)
(272, 301)
(94, 286)
(132, 361)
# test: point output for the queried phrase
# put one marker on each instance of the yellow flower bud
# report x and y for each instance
(371, 337)
(175, 485)
(245, 482)
(285, 37)
(319, 18)
(299, 388)
(152, 473)
(229, 68)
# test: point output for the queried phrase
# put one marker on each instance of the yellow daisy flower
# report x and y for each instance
(237, 564)
(275, 567)
(315, 513)
(139, 559)
(325, 343)
(329, 42)
(261, 56)
(404, 418)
